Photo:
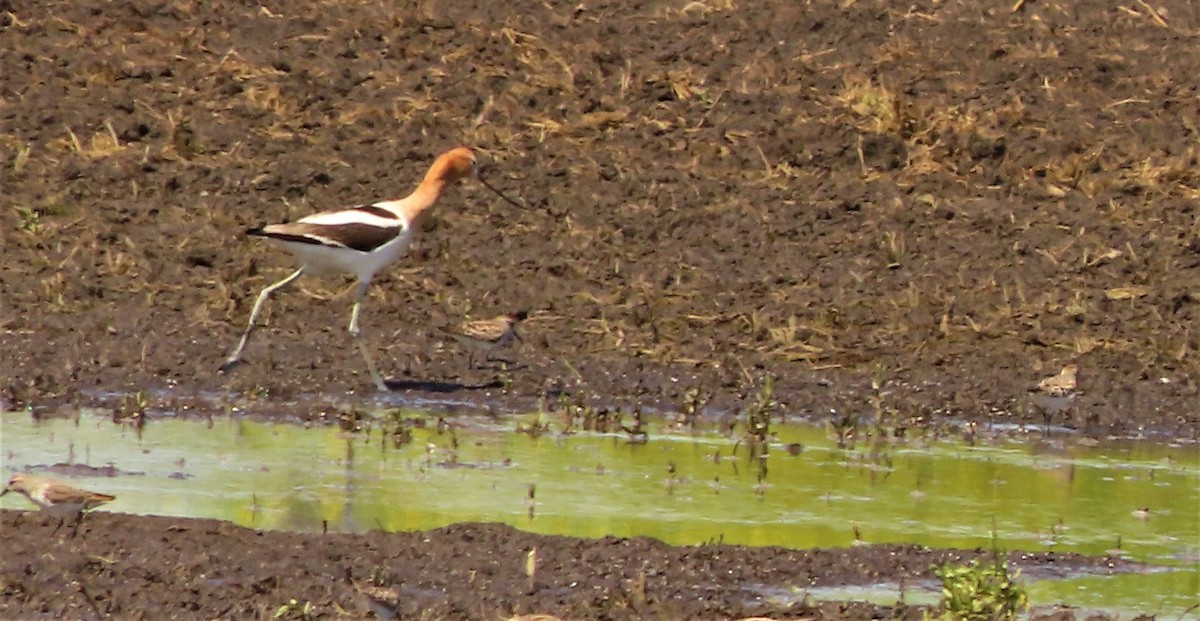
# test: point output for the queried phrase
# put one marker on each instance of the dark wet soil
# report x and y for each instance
(907, 213)
(124, 567)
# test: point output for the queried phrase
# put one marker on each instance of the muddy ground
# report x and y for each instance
(949, 200)
(154, 567)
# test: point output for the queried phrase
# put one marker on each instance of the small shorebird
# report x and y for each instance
(360, 241)
(1063, 384)
(56, 498)
(486, 334)
(1057, 391)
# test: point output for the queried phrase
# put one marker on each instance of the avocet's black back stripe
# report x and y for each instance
(376, 211)
(356, 236)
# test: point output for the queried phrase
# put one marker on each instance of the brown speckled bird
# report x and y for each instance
(486, 334)
(1063, 384)
(1056, 392)
(56, 498)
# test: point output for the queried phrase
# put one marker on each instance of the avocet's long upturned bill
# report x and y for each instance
(360, 241)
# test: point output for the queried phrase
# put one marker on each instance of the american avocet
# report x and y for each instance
(486, 334)
(56, 498)
(360, 241)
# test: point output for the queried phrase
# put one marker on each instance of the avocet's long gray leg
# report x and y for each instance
(359, 294)
(236, 356)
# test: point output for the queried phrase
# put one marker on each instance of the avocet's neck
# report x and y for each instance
(455, 164)
(422, 199)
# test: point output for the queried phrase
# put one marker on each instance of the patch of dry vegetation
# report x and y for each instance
(933, 182)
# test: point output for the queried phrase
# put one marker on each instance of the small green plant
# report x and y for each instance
(22, 158)
(758, 412)
(980, 591)
(295, 610)
(132, 411)
(692, 404)
(30, 219)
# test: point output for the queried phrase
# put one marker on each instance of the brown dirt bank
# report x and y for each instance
(955, 198)
(153, 567)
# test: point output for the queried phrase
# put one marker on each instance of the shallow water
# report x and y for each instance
(682, 488)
